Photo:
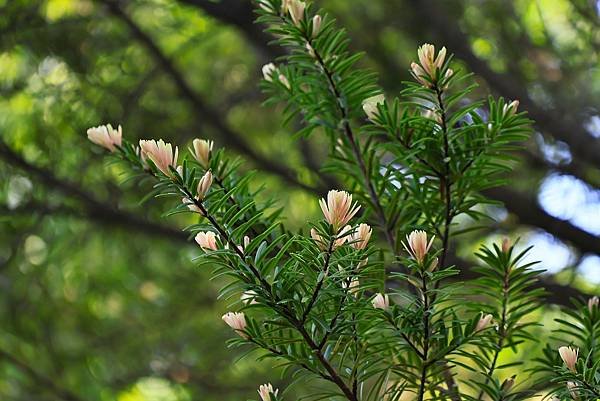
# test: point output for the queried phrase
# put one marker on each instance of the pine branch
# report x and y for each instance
(283, 355)
(286, 312)
(405, 337)
(572, 133)
(358, 155)
(502, 330)
(321, 281)
(426, 337)
(283, 310)
(445, 183)
(445, 190)
(335, 318)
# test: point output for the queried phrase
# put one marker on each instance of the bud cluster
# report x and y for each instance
(429, 67)
(270, 71)
(381, 301)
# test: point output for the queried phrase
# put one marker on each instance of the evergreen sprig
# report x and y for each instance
(505, 293)
(570, 363)
(320, 302)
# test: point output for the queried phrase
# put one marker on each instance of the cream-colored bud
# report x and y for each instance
(249, 297)
(338, 209)
(106, 136)
(381, 301)
(237, 321)
(283, 79)
(202, 151)
(268, 70)
(296, 9)
(207, 240)
(510, 109)
(426, 53)
(593, 303)
(441, 57)
(204, 185)
(191, 205)
(425, 72)
(484, 322)
(569, 356)
(316, 25)
(370, 106)
(417, 245)
(360, 238)
(265, 391)
(506, 244)
(508, 383)
(161, 154)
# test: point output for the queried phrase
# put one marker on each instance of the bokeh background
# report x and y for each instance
(99, 298)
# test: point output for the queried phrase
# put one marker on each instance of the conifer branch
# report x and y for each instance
(405, 337)
(284, 355)
(285, 311)
(446, 180)
(355, 146)
(502, 330)
(426, 337)
(323, 276)
(336, 316)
